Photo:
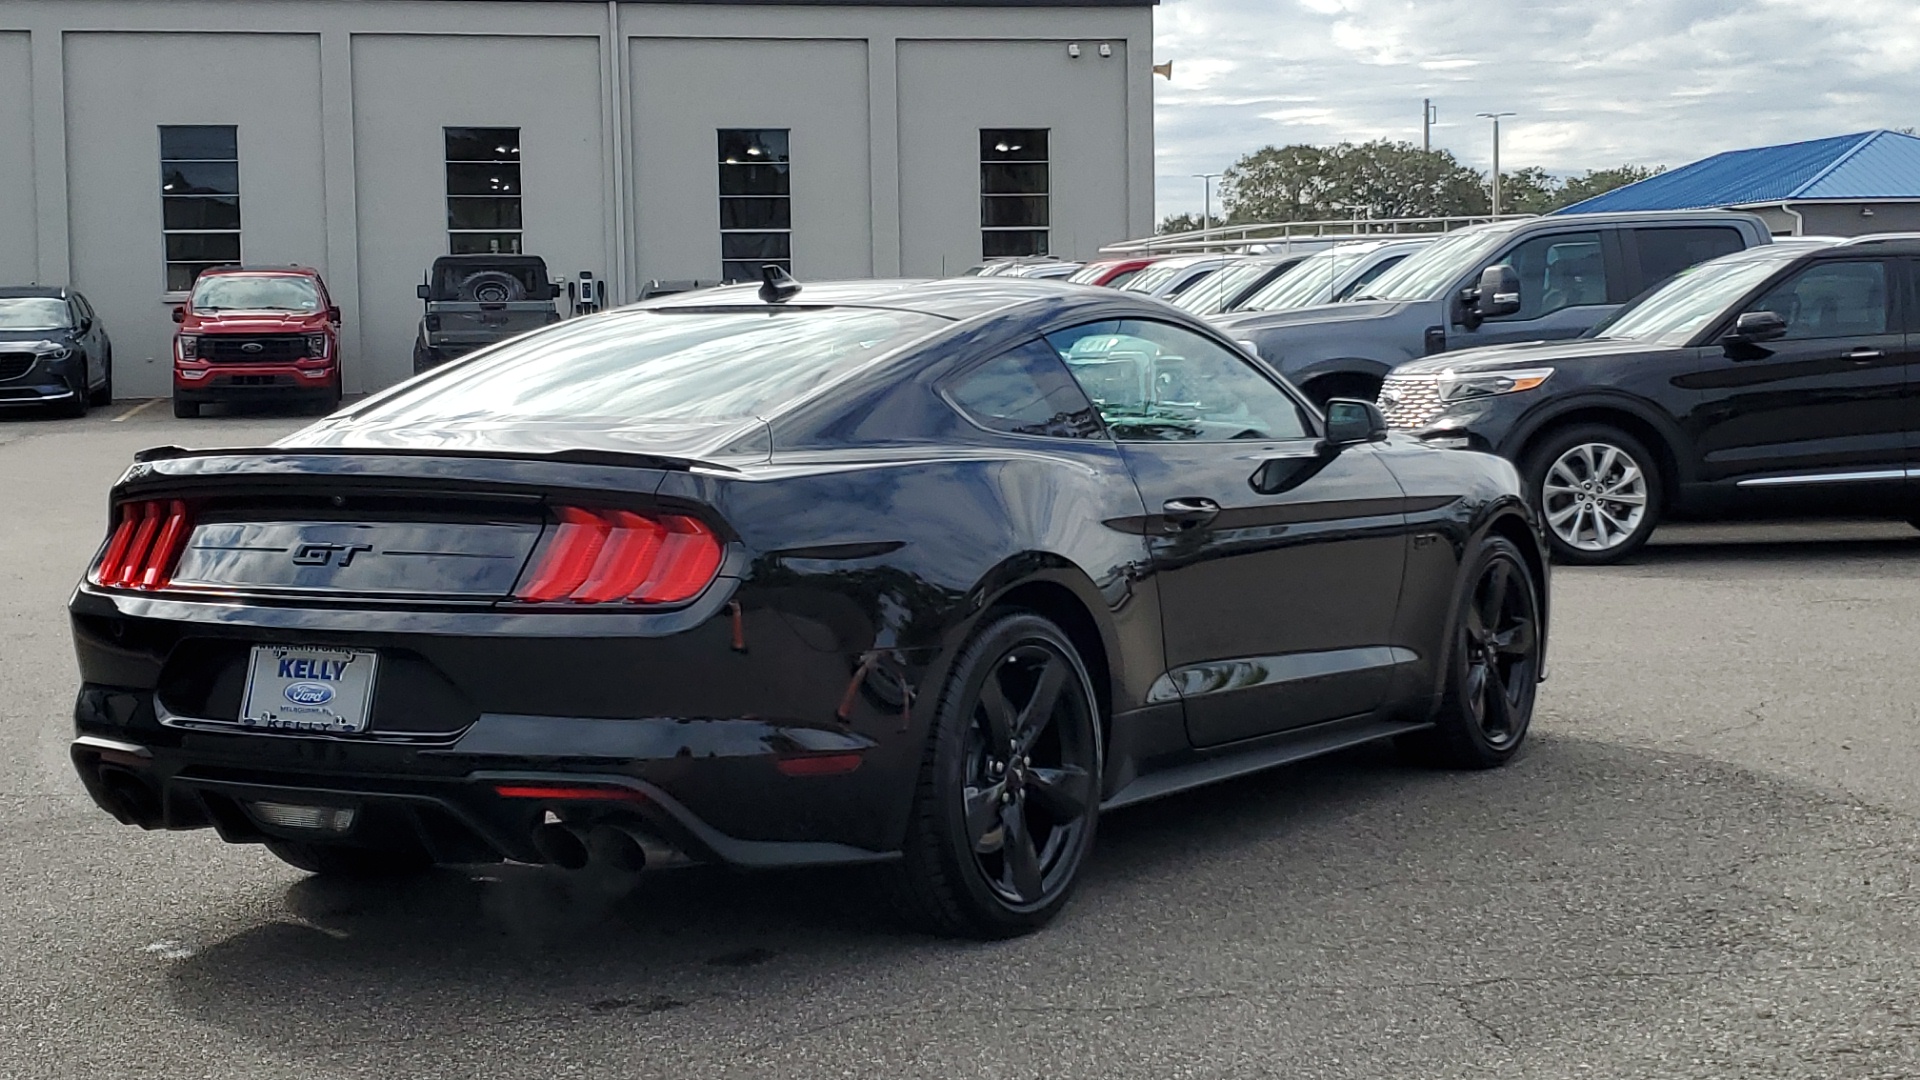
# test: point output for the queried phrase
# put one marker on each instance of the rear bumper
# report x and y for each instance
(725, 734)
(457, 815)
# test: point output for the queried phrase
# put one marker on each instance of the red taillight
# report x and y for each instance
(818, 764)
(145, 545)
(611, 556)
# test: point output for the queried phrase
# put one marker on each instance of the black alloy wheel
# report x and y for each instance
(1008, 797)
(1494, 670)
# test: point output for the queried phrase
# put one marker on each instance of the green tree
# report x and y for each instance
(1599, 182)
(1374, 179)
(1178, 223)
(1528, 191)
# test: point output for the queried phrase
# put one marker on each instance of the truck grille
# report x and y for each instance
(15, 364)
(1410, 401)
(239, 349)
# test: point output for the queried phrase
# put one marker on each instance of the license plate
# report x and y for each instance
(294, 688)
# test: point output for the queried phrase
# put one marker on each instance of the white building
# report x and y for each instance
(140, 139)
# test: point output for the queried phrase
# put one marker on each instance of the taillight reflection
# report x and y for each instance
(618, 556)
(145, 545)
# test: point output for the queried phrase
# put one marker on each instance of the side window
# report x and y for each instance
(1560, 271)
(1123, 277)
(1666, 252)
(1026, 392)
(1151, 382)
(1836, 299)
(1368, 275)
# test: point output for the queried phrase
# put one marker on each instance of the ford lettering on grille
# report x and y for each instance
(309, 693)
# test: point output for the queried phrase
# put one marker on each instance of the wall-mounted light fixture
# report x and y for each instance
(1073, 50)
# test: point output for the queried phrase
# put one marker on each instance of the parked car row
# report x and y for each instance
(1633, 367)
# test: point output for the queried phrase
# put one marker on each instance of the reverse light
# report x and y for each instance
(617, 556)
(145, 545)
(1457, 386)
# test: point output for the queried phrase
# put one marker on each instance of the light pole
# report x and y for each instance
(1428, 114)
(1206, 212)
(1495, 117)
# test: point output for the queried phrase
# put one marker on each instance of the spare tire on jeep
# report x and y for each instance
(490, 287)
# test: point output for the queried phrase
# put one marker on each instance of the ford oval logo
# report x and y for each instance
(253, 346)
(309, 693)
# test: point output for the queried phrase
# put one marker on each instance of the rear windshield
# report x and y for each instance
(658, 365)
(499, 283)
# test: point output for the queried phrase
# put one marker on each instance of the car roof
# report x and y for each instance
(951, 298)
(51, 291)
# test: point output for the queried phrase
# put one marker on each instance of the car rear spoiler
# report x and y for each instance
(613, 458)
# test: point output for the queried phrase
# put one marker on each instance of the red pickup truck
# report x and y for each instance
(252, 333)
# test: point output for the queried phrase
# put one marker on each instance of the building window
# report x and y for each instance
(756, 202)
(483, 191)
(1013, 192)
(199, 199)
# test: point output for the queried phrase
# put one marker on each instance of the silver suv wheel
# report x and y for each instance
(1594, 496)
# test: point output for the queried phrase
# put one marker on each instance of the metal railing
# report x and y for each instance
(1279, 236)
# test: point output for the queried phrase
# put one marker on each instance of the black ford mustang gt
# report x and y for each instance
(917, 574)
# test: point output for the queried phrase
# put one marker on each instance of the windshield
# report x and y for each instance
(1435, 267)
(1153, 278)
(34, 313)
(245, 292)
(1213, 293)
(1309, 283)
(1090, 273)
(1689, 301)
(703, 365)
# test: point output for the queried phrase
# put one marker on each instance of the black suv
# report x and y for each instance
(53, 350)
(1777, 380)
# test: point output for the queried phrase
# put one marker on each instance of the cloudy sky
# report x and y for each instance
(1595, 82)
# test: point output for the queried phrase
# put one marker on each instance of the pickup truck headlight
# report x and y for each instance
(316, 345)
(1468, 386)
(189, 346)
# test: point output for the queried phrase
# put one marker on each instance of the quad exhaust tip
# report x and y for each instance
(571, 848)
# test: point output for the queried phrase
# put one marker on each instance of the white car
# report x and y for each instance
(1338, 273)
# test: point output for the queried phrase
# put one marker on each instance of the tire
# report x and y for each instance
(77, 408)
(421, 360)
(1493, 664)
(185, 410)
(347, 861)
(325, 402)
(979, 801)
(104, 395)
(491, 287)
(1602, 524)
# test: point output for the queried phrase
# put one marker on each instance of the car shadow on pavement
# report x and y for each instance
(1752, 552)
(1296, 892)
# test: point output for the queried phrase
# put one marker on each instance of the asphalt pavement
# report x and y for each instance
(1703, 866)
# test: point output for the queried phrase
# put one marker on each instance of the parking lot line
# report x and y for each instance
(140, 408)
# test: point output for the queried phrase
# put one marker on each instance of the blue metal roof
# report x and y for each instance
(1866, 165)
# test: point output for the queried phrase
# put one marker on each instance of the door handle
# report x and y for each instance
(1861, 356)
(1189, 513)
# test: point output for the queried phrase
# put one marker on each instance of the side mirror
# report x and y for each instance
(85, 327)
(1499, 292)
(1350, 420)
(422, 291)
(1252, 349)
(179, 314)
(333, 315)
(1758, 326)
(553, 290)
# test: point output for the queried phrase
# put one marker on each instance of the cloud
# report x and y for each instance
(1596, 83)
